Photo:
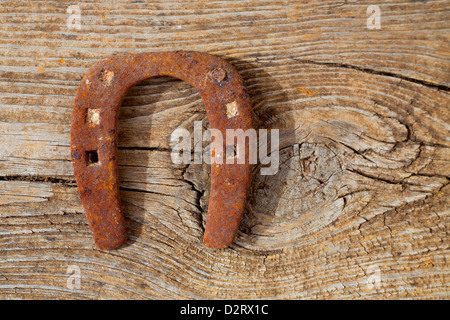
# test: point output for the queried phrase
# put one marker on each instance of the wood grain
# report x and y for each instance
(363, 184)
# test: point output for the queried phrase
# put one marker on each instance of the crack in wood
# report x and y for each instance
(36, 178)
(377, 72)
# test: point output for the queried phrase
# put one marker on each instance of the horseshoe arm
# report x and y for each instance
(94, 138)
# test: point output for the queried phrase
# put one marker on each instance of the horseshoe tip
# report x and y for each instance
(110, 244)
(215, 240)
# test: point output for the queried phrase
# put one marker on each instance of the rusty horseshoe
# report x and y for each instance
(94, 138)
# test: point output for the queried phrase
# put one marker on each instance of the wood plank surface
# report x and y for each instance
(359, 208)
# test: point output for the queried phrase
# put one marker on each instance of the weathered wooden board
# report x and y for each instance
(358, 209)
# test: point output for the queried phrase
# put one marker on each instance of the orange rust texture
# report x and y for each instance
(94, 143)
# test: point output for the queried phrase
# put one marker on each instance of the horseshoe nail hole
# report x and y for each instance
(91, 157)
(231, 151)
(93, 117)
(106, 76)
(231, 109)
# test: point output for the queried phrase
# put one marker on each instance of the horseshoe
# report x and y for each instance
(94, 138)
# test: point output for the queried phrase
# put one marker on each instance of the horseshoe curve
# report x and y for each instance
(94, 138)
